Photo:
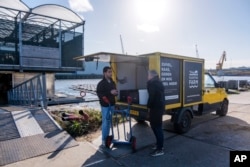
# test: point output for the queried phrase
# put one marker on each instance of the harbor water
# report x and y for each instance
(64, 86)
(227, 78)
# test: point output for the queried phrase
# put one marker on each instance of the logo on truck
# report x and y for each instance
(193, 79)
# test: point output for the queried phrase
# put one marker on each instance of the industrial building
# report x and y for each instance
(35, 43)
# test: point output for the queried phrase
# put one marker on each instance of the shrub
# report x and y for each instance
(80, 128)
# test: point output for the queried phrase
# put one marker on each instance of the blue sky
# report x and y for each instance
(170, 26)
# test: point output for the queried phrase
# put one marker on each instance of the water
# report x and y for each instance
(63, 86)
(227, 78)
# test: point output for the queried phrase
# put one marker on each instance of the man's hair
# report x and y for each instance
(153, 73)
(105, 69)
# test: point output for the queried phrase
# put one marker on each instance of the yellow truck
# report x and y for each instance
(189, 90)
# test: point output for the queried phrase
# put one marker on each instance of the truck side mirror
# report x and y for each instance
(218, 85)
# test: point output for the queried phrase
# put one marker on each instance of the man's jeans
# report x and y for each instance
(106, 116)
(158, 132)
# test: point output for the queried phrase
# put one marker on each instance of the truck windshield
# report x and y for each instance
(209, 82)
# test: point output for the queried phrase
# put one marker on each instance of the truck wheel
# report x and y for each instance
(224, 108)
(184, 124)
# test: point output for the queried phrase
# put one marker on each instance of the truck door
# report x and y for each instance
(212, 94)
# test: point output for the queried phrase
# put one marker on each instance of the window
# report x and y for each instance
(209, 82)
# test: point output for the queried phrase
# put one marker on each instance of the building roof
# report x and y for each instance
(41, 16)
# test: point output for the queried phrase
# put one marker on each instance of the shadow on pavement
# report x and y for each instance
(207, 143)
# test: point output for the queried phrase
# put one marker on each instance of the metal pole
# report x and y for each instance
(122, 44)
(83, 62)
(44, 90)
(60, 43)
(83, 37)
(20, 43)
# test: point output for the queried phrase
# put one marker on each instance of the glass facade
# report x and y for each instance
(48, 36)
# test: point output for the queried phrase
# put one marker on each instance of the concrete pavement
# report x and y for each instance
(208, 143)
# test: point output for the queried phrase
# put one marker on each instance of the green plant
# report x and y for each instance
(80, 128)
(77, 128)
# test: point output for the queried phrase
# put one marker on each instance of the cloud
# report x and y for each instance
(148, 28)
(80, 5)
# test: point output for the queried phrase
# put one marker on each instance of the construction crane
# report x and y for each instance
(197, 53)
(219, 65)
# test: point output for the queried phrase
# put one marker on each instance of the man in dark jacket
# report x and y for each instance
(106, 92)
(156, 106)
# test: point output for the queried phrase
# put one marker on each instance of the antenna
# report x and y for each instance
(122, 44)
(196, 49)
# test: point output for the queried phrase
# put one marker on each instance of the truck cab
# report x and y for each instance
(188, 90)
(215, 97)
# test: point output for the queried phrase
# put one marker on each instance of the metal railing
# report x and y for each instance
(30, 93)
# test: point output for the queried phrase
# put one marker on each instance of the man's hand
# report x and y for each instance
(114, 92)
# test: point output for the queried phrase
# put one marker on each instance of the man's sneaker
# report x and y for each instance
(157, 153)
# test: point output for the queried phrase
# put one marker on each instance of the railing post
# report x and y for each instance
(44, 92)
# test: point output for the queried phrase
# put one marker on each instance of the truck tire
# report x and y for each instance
(184, 124)
(223, 109)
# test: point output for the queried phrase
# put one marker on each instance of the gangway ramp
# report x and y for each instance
(29, 132)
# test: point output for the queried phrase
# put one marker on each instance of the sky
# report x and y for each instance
(195, 28)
